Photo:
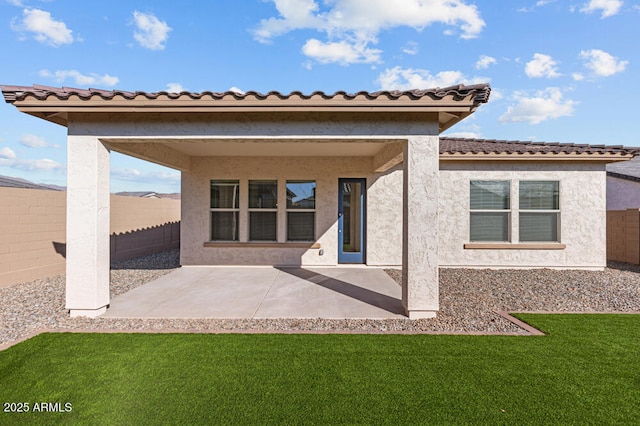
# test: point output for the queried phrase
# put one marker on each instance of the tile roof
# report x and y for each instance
(629, 170)
(450, 104)
(450, 145)
(480, 92)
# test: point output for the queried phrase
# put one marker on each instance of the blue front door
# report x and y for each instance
(351, 220)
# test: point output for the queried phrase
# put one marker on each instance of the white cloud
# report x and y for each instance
(92, 79)
(33, 141)
(607, 7)
(541, 66)
(485, 61)
(296, 14)
(398, 78)
(577, 76)
(464, 135)
(30, 165)
(146, 177)
(341, 52)
(496, 95)
(15, 3)
(545, 105)
(175, 88)
(411, 48)
(43, 164)
(7, 153)
(352, 26)
(539, 3)
(127, 174)
(45, 29)
(601, 63)
(236, 90)
(151, 32)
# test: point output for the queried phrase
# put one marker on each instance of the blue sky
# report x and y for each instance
(560, 70)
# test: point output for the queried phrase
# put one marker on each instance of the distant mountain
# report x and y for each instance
(14, 182)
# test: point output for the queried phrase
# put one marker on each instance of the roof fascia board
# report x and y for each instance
(129, 108)
(607, 157)
(629, 178)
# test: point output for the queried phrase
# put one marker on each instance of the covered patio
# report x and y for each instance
(263, 293)
(261, 145)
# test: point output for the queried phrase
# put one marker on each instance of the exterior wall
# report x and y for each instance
(33, 234)
(622, 194)
(33, 231)
(623, 235)
(384, 218)
(133, 213)
(383, 222)
(582, 213)
(141, 226)
(145, 241)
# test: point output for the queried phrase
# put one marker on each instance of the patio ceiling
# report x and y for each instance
(177, 152)
(208, 147)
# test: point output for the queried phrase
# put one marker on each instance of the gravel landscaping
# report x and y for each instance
(468, 301)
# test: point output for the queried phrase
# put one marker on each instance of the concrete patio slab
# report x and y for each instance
(263, 292)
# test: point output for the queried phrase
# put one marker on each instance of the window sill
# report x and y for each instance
(515, 246)
(222, 244)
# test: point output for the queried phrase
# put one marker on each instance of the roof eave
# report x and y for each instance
(448, 113)
(607, 157)
(452, 104)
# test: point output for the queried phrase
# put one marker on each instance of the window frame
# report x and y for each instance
(507, 211)
(535, 211)
(235, 210)
(279, 208)
(515, 225)
(289, 209)
(273, 210)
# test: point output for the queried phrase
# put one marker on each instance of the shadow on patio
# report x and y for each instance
(263, 292)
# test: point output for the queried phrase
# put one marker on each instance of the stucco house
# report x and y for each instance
(325, 180)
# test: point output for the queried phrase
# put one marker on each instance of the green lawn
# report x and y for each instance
(585, 371)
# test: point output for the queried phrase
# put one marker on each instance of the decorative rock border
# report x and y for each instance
(475, 302)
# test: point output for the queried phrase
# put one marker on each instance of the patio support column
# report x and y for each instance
(420, 227)
(88, 249)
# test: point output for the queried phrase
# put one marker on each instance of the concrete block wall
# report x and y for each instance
(33, 231)
(623, 235)
(132, 213)
(145, 241)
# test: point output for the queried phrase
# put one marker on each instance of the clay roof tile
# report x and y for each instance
(452, 145)
(12, 93)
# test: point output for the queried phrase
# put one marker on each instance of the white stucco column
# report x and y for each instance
(420, 227)
(88, 250)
